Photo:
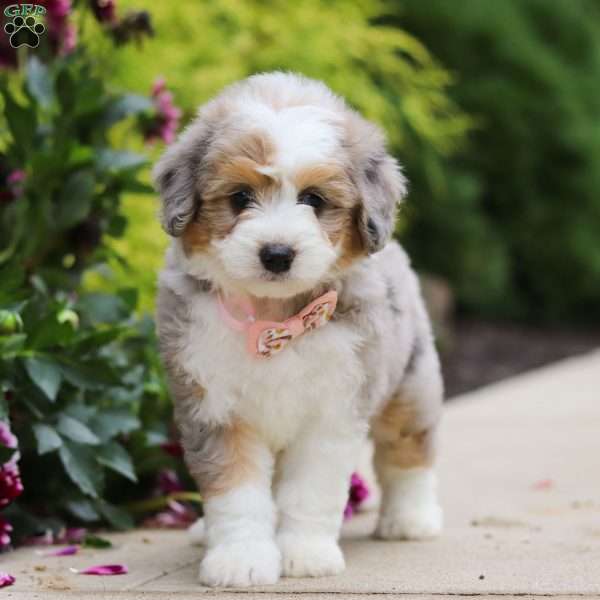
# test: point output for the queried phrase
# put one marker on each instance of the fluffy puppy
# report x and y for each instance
(277, 193)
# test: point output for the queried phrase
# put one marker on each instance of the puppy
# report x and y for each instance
(291, 327)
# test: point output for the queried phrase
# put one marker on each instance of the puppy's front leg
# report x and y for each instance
(311, 496)
(233, 468)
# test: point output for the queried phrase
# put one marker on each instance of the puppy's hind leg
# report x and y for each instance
(404, 435)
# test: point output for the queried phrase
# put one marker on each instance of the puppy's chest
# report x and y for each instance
(317, 375)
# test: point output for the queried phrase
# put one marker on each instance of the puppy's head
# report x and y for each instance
(277, 186)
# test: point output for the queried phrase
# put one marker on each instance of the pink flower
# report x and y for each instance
(105, 11)
(177, 516)
(71, 535)
(172, 448)
(165, 124)
(15, 183)
(358, 493)
(62, 33)
(57, 13)
(12, 187)
(159, 85)
(57, 10)
(5, 531)
(6, 579)
(69, 40)
(168, 482)
(11, 486)
(7, 438)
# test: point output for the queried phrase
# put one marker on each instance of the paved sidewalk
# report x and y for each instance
(520, 477)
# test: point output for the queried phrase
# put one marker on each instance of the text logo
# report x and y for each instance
(24, 29)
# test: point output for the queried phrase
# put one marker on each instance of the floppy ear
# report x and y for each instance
(380, 183)
(176, 178)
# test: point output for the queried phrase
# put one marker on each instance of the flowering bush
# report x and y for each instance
(80, 383)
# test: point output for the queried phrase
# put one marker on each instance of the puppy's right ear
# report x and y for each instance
(176, 178)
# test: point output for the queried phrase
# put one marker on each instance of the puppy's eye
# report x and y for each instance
(241, 199)
(312, 199)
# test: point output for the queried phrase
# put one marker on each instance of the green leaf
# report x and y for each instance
(47, 438)
(39, 82)
(117, 517)
(115, 457)
(138, 187)
(103, 308)
(10, 344)
(112, 422)
(75, 201)
(51, 332)
(93, 375)
(46, 374)
(21, 122)
(76, 430)
(81, 467)
(83, 510)
(118, 160)
(95, 541)
(125, 106)
(12, 276)
(129, 297)
(6, 454)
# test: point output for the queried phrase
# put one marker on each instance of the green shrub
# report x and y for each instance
(80, 382)
(515, 220)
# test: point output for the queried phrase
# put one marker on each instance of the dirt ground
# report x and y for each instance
(481, 352)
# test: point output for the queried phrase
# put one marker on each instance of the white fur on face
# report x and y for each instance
(302, 135)
(280, 220)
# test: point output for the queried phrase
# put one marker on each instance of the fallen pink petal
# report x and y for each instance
(6, 579)
(103, 570)
(66, 551)
(543, 484)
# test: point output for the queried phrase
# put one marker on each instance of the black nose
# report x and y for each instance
(276, 258)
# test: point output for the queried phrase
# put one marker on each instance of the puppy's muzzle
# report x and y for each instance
(277, 258)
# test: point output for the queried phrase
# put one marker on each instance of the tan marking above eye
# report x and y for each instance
(329, 181)
(241, 171)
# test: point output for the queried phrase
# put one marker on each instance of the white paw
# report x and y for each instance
(196, 532)
(419, 522)
(241, 564)
(310, 556)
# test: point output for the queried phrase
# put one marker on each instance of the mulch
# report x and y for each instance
(480, 352)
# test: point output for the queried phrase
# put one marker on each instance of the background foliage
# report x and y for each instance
(516, 218)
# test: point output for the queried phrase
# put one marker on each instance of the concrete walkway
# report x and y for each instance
(520, 476)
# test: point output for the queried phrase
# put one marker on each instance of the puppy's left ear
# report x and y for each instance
(380, 183)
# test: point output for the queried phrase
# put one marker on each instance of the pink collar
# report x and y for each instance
(266, 338)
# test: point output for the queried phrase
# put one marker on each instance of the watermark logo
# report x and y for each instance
(24, 29)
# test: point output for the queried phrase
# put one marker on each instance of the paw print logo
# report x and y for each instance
(24, 32)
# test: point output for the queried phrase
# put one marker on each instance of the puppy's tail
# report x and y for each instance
(196, 532)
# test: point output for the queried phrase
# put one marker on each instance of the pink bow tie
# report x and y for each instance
(266, 338)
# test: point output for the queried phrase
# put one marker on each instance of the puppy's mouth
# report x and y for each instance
(276, 285)
(275, 277)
